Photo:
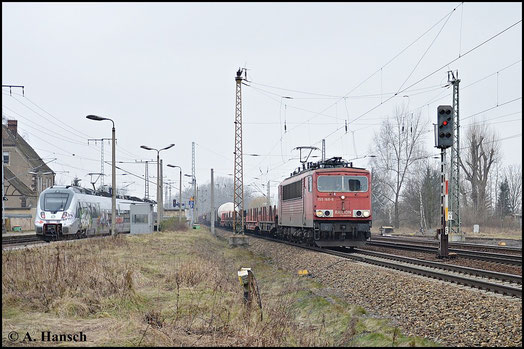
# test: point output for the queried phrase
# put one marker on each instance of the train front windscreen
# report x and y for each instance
(342, 183)
(55, 201)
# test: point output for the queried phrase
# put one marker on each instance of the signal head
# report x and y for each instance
(445, 126)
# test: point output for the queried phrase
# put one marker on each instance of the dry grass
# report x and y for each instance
(170, 289)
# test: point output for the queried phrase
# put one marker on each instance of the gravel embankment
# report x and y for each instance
(450, 314)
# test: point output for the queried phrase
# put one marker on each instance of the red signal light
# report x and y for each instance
(444, 123)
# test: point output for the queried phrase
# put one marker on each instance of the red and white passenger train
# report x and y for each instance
(324, 204)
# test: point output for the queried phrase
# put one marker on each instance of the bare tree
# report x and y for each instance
(513, 174)
(481, 152)
(379, 198)
(396, 147)
(421, 197)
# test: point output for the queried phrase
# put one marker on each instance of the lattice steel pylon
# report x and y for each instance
(238, 184)
(101, 156)
(454, 168)
(146, 189)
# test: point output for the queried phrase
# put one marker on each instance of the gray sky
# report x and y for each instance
(164, 72)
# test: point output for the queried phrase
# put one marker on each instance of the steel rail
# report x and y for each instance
(455, 244)
(440, 275)
(486, 256)
(450, 267)
(19, 239)
(462, 280)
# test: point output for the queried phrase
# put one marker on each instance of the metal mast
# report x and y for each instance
(323, 150)
(101, 156)
(146, 178)
(146, 194)
(238, 197)
(193, 182)
(454, 190)
(269, 193)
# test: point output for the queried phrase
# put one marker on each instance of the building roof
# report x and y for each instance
(17, 183)
(13, 139)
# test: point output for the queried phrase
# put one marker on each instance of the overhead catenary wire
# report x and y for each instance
(385, 66)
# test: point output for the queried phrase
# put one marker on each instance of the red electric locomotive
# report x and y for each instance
(325, 204)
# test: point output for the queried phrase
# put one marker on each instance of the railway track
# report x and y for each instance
(461, 245)
(23, 240)
(485, 256)
(507, 284)
(501, 283)
(9, 241)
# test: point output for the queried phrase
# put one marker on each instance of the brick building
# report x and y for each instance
(25, 176)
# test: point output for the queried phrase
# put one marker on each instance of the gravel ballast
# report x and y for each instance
(450, 314)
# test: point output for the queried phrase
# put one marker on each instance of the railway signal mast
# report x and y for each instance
(444, 140)
(454, 195)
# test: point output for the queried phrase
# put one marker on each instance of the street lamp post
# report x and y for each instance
(113, 176)
(180, 193)
(159, 199)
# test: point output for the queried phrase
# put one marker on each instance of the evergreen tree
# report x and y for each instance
(503, 205)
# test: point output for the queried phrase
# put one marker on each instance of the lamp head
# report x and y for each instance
(95, 117)
(169, 146)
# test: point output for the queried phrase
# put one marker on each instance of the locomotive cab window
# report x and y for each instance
(342, 183)
(356, 183)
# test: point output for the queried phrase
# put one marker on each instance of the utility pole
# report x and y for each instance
(238, 196)
(165, 192)
(193, 182)
(268, 193)
(212, 211)
(454, 170)
(146, 179)
(323, 150)
(170, 201)
(101, 155)
(161, 199)
(3, 185)
(11, 86)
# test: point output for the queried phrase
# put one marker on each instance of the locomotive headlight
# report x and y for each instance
(361, 213)
(342, 197)
(320, 213)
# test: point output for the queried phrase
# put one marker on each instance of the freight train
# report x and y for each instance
(327, 203)
(72, 211)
